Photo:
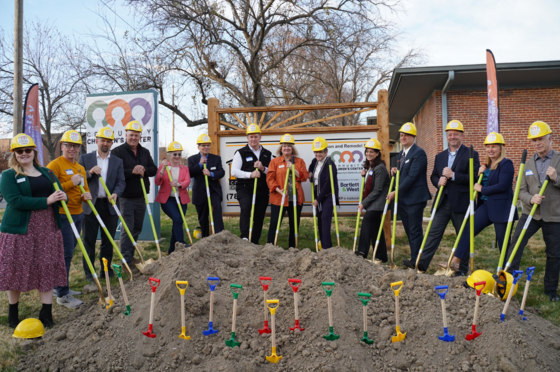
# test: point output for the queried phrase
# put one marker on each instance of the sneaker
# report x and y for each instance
(69, 301)
(74, 293)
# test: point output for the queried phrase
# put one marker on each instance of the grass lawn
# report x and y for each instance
(486, 258)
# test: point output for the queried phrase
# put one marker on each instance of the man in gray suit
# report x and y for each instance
(101, 163)
(546, 162)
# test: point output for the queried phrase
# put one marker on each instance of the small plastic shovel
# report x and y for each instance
(179, 283)
(446, 336)
(149, 332)
(295, 284)
(109, 297)
(365, 297)
(210, 330)
(273, 358)
(265, 282)
(516, 275)
(530, 271)
(400, 336)
(117, 269)
(328, 287)
(233, 288)
(474, 333)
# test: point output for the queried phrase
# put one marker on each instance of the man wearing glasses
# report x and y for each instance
(70, 174)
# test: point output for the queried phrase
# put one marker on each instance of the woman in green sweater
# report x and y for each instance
(31, 250)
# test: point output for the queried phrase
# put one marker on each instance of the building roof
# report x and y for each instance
(411, 87)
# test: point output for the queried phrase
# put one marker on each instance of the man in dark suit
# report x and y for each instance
(451, 170)
(413, 187)
(214, 171)
(100, 163)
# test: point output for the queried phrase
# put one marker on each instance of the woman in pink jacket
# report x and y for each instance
(181, 180)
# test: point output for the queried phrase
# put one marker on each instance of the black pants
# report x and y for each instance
(203, 215)
(324, 222)
(274, 215)
(245, 199)
(443, 215)
(90, 229)
(368, 236)
(411, 217)
(551, 236)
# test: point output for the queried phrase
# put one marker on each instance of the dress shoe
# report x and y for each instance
(553, 296)
(409, 264)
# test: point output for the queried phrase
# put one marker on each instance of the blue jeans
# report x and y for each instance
(171, 209)
(69, 241)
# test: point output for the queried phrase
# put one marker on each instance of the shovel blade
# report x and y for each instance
(377, 262)
(472, 336)
(184, 337)
(264, 330)
(232, 343)
(210, 330)
(399, 337)
(440, 272)
(127, 312)
(331, 337)
(447, 338)
(149, 334)
(273, 358)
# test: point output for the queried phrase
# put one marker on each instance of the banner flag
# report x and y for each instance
(493, 100)
(32, 119)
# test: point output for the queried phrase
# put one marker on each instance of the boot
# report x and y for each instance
(13, 319)
(45, 316)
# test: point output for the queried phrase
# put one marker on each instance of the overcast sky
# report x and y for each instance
(449, 31)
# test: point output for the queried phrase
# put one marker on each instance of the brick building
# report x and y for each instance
(430, 97)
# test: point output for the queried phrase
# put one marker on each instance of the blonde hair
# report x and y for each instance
(16, 166)
(500, 158)
(294, 150)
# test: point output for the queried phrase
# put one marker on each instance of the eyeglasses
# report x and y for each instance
(71, 146)
(21, 151)
(176, 155)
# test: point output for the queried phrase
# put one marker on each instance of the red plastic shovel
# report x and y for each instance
(474, 333)
(265, 282)
(149, 332)
(295, 284)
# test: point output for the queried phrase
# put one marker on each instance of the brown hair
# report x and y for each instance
(500, 158)
(16, 166)
(294, 150)
(375, 161)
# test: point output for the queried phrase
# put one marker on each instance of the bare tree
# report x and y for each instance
(57, 65)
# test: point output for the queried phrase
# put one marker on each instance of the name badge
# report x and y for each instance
(69, 172)
(370, 172)
(281, 166)
(529, 172)
(407, 161)
(213, 168)
(20, 180)
(250, 158)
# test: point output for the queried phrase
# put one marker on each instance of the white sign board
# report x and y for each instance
(346, 150)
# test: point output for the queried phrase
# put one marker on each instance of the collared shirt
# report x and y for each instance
(104, 165)
(238, 162)
(450, 159)
(318, 169)
(542, 164)
(404, 154)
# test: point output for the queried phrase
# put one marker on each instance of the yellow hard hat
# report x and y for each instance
(455, 125)
(319, 144)
(538, 129)
(252, 129)
(105, 133)
(203, 138)
(197, 233)
(494, 139)
(174, 146)
(408, 128)
(29, 328)
(134, 125)
(503, 285)
(288, 138)
(482, 276)
(373, 144)
(71, 136)
(22, 140)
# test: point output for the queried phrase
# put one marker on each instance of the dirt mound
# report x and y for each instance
(95, 339)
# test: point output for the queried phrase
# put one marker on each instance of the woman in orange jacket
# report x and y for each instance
(276, 177)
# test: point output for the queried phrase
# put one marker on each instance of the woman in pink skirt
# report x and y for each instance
(31, 250)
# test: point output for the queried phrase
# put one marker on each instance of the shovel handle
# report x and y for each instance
(397, 290)
(479, 290)
(265, 279)
(212, 279)
(524, 156)
(366, 299)
(293, 284)
(105, 262)
(440, 288)
(118, 270)
(179, 283)
(530, 271)
(328, 287)
(154, 286)
(516, 275)
(272, 308)
(233, 288)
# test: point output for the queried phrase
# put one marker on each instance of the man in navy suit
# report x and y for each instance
(100, 163)
(214, 171)
(413, 187)
(451, 170)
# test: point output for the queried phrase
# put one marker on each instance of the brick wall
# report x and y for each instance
(519, 108)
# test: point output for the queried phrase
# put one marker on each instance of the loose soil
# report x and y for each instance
(96, 339)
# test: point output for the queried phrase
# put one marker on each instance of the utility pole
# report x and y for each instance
(18, 66)
(173, 120)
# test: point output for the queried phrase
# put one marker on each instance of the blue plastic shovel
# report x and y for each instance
(516, 275)
(530, 271)
(446, 336)
(210, 330)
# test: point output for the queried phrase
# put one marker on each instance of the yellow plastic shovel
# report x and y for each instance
(400, 336)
